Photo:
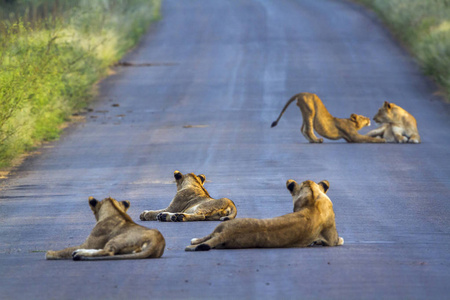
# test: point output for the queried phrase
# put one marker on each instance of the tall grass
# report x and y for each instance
(424, 27)
(48, 65)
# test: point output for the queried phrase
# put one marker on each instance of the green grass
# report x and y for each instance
(51, 59)
(424, 27)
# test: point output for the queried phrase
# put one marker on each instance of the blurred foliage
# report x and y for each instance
(32, 11)
(51, 58)
(424, 26)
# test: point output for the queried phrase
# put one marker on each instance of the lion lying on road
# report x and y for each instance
(397, 125)
(115, 236)
(316, 117)
(311, 222)
(192, 203)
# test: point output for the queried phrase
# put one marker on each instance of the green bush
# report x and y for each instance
(424, 26)
(49, 66)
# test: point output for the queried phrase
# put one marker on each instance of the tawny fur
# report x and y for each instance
(192, 203)
(316, 117)
(396, 125)
(312, 222)
(115, 236)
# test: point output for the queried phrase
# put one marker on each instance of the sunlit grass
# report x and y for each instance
(424, 27)
(49, 66)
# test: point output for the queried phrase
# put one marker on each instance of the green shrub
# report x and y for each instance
(49, 66)
(424, 26)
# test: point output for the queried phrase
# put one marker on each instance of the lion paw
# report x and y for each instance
(202, 247)
(318, 141)
(163, 217)
(178, 218)
(76, 255)
(145, 216)
(403, 139)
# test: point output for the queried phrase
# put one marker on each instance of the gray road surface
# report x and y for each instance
(230, 66)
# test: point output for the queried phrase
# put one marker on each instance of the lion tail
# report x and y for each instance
(284, 109)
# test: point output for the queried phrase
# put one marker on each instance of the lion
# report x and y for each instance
(316, 117)
(397, 125)
(115, 236)
(192, 203)
(311, 223)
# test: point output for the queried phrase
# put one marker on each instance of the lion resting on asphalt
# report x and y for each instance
(316, 117)
(397, 125)
(192, 203)
(115, 236)
(312, 222)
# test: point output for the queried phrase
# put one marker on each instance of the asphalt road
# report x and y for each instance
(227, 68)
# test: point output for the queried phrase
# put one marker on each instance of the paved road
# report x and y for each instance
(230, 66)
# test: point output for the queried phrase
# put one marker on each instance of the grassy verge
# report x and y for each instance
(424, 27)
(52, 55)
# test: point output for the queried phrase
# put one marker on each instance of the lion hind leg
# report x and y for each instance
(229, 212)
(221, 209)
(308, 130)
(330, 237)
(398, 134)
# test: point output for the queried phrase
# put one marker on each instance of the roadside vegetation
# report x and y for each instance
(52, 52)
(424, 27)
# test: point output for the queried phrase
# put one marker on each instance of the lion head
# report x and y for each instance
(97, 206)
(360, 121)
(189, 180)
(388, 113)
(306, 193)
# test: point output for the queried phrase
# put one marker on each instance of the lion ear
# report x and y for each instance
(177, 175)
(92, 202)
(290, 185)
(202, 177)
(353, 117)
(387, 105)
(126, 204)
(324, 185)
